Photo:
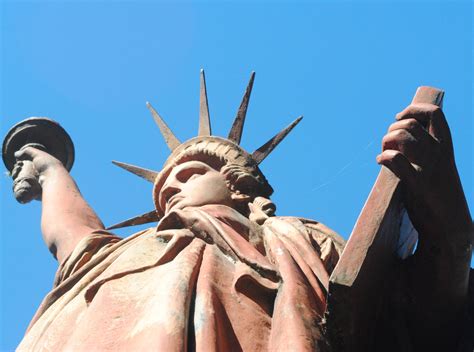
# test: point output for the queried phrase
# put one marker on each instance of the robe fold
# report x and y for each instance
(206, 279)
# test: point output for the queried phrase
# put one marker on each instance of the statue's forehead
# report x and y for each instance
(190, 164)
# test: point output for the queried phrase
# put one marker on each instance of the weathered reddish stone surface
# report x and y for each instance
(370, 284)
(222, 272)
(207, 287)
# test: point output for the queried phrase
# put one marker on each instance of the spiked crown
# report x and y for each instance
(204, 145)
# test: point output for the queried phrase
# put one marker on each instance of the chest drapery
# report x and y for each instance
(206, 279)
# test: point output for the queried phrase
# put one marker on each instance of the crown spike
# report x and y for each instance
(204, 119)
(171, 141)
(148, 175)
(235, 133)
(261, 153)
(146, 218)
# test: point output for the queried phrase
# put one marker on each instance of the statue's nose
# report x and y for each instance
(169, 191)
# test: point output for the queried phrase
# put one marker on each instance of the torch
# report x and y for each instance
(40, 133)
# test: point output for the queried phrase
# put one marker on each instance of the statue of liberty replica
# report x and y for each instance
(220, 271)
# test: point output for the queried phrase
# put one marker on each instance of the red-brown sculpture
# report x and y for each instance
(222, 272)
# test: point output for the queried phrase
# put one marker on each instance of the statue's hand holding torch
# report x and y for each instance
(31, 149)
(26, 186)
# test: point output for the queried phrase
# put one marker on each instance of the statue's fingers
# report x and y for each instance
(420, 112)
(429, 116)
(400, 166)
(439, 128)
(16, 169)
(403, 141)
(422, 149)
(411, 125)
(27, 153)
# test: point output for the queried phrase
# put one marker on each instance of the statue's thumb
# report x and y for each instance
(23, 154)
(26, 153)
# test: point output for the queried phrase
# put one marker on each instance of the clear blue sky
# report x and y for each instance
(348, 68)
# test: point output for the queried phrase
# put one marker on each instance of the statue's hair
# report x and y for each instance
(244, 179)
(249, 181)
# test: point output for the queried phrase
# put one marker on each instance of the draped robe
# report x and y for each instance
(206, 279)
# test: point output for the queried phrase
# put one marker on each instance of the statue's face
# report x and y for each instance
(194, 183)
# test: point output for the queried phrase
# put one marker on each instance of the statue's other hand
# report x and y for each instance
(416, 143)
(418, 149)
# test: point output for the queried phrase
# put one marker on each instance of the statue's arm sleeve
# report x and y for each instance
(327, 242)
(85, 251)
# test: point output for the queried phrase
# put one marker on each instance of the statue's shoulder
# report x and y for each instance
(321, 234)
(327, 242)
(317, 228)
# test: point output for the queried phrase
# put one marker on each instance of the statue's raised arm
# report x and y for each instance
(38, 153)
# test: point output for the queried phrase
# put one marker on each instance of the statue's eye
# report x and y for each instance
(170, 193)
(193, 176)
(190, 174)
